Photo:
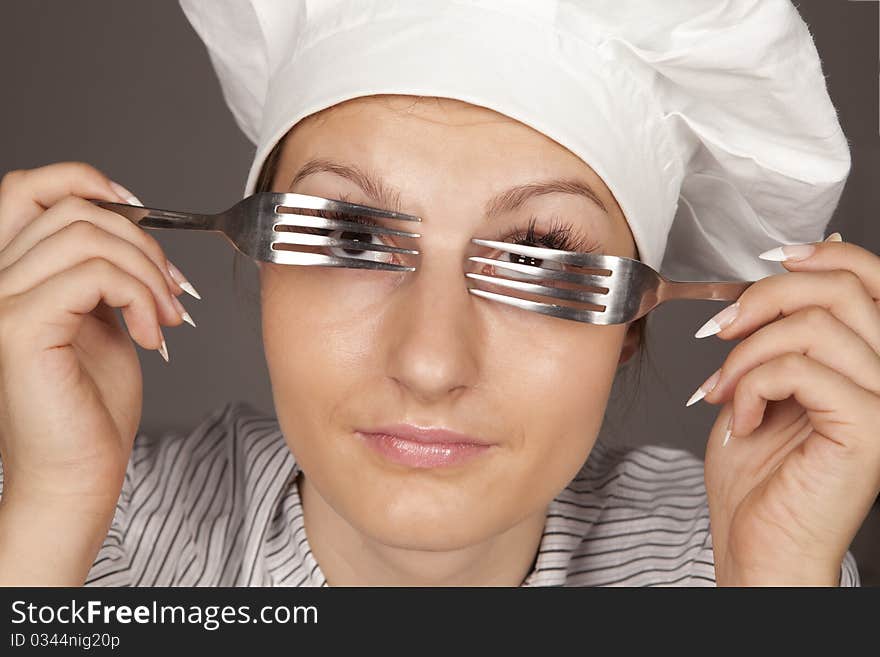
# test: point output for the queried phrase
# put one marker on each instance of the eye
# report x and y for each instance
(561, 236)
(525, 260)
(362, 254)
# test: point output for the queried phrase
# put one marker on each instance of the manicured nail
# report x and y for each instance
(164, 348)
(727, 434)
(180, 279)
(718, 322)
(125, 195)
(789, 252)
(834, 237)
(705, 388)
(182, 311)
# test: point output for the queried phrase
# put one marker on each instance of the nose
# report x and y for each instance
(434, 336)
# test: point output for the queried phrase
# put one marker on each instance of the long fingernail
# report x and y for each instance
(705, 388)
(727, 434)
(789, 252)
(180, 279)
(718, 322)
(125, 195)
(834, 237)
(163, 350)
(182, 311)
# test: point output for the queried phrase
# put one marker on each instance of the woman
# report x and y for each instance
(327, 494)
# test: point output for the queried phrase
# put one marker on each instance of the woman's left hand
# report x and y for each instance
(793, 484)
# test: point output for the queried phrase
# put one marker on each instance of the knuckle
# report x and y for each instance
(82, 229)
(757, 290)
(735, 356)
(71, 204)
(11, 179)
(149, 245)
(81, 169)
(98, 266)
(815, 316)
(848, 281)
(744, 383)
(791, 363)
(137, 236)
(158, 252)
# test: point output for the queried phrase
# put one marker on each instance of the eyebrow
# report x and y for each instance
(389, 198)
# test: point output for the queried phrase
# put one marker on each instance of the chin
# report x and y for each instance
(418, 512)
(411, 528)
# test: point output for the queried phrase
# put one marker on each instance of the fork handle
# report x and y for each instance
(712, 290)
(156, 218)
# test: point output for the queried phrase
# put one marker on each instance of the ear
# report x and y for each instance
(631, 341)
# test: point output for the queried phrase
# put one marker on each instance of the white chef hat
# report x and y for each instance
(709, 120)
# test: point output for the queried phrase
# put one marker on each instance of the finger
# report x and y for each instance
(811, 331)
(59, 304)
(839, 409)
(81, 241)
(826, 465)
(827, 256)
(737, 470)
(840, 291)
(25, 194)
(72, 209)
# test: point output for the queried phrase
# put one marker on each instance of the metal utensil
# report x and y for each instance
(252, 225)
(628, 288)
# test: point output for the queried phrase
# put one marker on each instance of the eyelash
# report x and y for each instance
(561, 235)
(342, 216)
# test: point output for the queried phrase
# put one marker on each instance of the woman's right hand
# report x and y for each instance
(70, 380)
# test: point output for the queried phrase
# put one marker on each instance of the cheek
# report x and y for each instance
(555, 381)
(319, 332)
(318, 327)
(559, 368)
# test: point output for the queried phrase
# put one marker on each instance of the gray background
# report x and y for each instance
(128, 87)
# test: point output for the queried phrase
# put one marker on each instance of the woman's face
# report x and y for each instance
(352, 349)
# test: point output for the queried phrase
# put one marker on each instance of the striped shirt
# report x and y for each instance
(220, 506)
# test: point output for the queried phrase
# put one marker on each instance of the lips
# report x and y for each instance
(423, 447)
(426, 434)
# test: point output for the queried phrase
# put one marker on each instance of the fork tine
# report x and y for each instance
(565, 312)
(589, 280)
(364, 210)
(285, 257)
(307, 202)
(555, 292)
(593, 260)
(309, 221)
(310, 239)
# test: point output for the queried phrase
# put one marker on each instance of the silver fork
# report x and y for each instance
(632, 288)
(252, 226)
